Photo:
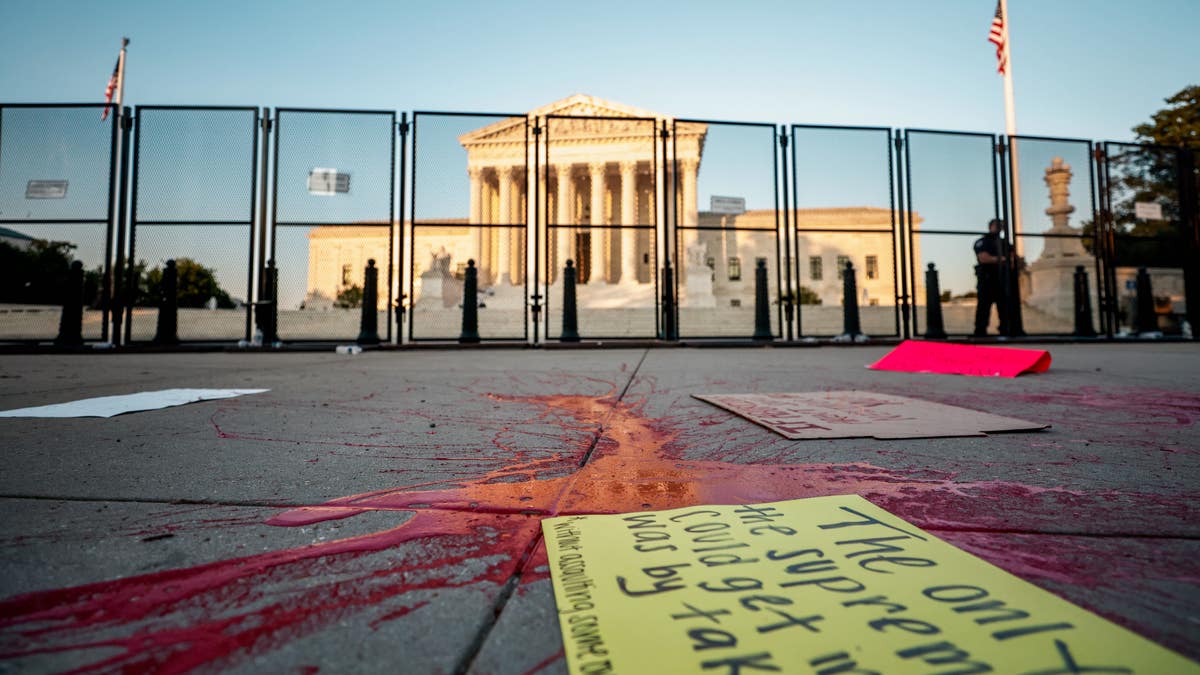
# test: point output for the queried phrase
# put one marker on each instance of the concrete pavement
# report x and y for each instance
(179, 537)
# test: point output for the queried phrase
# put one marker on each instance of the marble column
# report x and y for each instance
(565, 203)
(687, 181)
(598, 266)
(504, 256)
(628, 272)
(476, 194)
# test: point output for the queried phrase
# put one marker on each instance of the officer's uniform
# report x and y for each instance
(989, 283)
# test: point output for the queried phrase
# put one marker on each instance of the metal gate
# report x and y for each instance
(57, 185)
(844, 211)
(1149, 208)
(1053, 211)
(727, 224)
(333, 209)
(601, 207)
(952, 191)
(470, 208)
(194, 178)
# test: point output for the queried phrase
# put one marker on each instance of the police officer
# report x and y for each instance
(991, 254)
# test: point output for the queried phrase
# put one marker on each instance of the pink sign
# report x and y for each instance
(918, 356)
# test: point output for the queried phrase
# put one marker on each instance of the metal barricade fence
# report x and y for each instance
(952, 192)
(193, 198)
(470, 200)
(601, 211)
(57, 205)
(631, 200)
(844, 210)
(333, 210)
(717, 248)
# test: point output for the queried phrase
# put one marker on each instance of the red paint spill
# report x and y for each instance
(218, 613)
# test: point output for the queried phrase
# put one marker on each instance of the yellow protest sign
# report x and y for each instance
(821, 586)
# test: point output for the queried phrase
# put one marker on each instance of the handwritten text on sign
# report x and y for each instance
(819, 586)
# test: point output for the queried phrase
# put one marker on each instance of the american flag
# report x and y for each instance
(997, 37)
(110, 89)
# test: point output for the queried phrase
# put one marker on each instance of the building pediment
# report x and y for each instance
(512, 129)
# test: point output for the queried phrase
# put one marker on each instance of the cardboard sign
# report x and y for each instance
(861, 414)
(918, 356)
(822, 585)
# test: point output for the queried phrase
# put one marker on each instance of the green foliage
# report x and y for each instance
(36, 275)
(196, 284)
(350, 297)
(808, 296)
(1176, 125)
(1152, 173)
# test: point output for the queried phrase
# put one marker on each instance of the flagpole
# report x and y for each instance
(1010, 129)
(121, 74)
(118, 224)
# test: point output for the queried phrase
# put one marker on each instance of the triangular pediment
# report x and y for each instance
(512, 129)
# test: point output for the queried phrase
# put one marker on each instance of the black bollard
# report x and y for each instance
(570, 317)
(762, 304)
(368, 333)
(935, 327)
(1147, 320)
(670, 331)
(168, 307)
(270, 323)
(851, 328)
(470, 306)
(70, 325)
(1083, 305)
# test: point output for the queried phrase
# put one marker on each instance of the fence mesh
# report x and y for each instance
(55, 190)
(194, 191)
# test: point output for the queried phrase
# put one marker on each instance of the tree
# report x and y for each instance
(1176, 125)
(349, 297)
(196, 285)
(1152, 173)
(35, 275)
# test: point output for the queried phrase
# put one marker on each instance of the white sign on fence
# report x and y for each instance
(327, 182)
(1147, 210)
(730, 205)
(46, 189)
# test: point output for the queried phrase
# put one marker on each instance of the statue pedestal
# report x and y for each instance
(698, 289)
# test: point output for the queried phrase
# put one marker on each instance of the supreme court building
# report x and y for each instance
(600, 171)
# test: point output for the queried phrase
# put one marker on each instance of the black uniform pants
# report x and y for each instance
(990, 290)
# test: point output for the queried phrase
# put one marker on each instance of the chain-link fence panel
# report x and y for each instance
(728, 220)
(843, 210)
(952, 194)
(193, 202)
(601, 198)
(56, 190)
(334, 212)
(470, 202)
(1149, 229)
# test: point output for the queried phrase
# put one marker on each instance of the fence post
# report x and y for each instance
(368, 333)
(570, 318)
(670, 332)
(1083, 305)
(762, 304)
(70, 324)
(167, 332)
(935, 327)
(1147, 320)
(470, 307)
(266, 312)
(851, 328)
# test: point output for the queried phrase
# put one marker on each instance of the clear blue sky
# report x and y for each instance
(1083, 68)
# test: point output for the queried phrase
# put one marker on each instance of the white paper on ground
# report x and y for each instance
(108, 406)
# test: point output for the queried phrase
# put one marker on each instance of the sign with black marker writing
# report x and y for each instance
(817, 586)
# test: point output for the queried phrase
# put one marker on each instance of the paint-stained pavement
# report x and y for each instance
(188, 538)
